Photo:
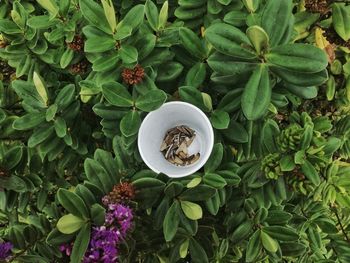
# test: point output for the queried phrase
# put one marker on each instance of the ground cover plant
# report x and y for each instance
(78, 77)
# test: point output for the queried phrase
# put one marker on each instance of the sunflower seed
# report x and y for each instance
(175, 145)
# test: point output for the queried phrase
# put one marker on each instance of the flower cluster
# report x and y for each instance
(103, 246)
(5, 251)
(133, 76)
(121, 193)
(318, 6)
(77, 44)
(80, 68)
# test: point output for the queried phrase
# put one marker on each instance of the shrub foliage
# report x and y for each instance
(78, 77)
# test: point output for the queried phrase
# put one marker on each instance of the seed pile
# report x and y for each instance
(175, 146)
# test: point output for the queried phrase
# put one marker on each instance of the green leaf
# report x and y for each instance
(257, 94)
(341, 20)
(230, 177)
(40, 22)
(60, 127)
(196, 75)
(229, 40)
(108, 9)
(98, 214)
(51, 112)
(173, 189)
(99, 43)
(254, 247)
(69, 224)
(149, 189)
(66, 58)
(192, 95)
(192, 210)
(213, 204)
(198, 254)
(49, 5)
(184, 248)
(134, 17)
(242, 231)
(130, 123)
(194, 182)
(258, 38)
(94, 13)
(192, 43)
(281, 233)
(81, 244)
(303, 58)
(287, 163)
(56, 238)
(39, 135)
(72, 203)
(292, 249)
(29, 121)
(40, 87)
(268, 242)
(163, 15)
(198, 193)
(207, 101)
(169, 71)
(276, 19)
(236, 132)
(151, 100)
(251, 5)
(171, 221)
(220, 119)
(65, 97)
(215, 158)
(14, 183)
(116, 94)
(214, 180)
(310, 172)
(151, 11)
(128, 54)
(98, 175)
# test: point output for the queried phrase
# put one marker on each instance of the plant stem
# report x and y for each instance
(341, 225)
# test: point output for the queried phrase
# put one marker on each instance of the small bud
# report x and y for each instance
(133, 76)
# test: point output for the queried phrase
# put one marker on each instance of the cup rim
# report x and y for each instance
(202, 161)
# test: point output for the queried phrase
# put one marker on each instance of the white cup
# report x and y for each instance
(158, 122)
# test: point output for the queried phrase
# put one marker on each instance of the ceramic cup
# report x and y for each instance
(155, 126)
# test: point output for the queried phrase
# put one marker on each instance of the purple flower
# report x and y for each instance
(119, 216)
(66, 248)
(103, 245)
(104, 241)
(5, 250)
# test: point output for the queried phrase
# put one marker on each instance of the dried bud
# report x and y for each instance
(121, 193)
(77, 44)
(298, 174)
(80, 67)
(3, 44)
(332, 36)
(133, 76)
(3, 172)
(6, 71)
(317, 6)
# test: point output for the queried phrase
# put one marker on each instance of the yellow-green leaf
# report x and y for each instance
(184, 248)
(191, 210)
(194, 182)
(40, 87)
(110, 13)
(49, 5)
(68, 224)
(268, 242)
